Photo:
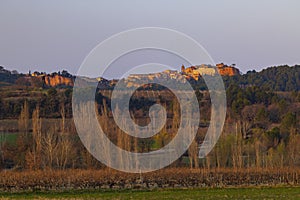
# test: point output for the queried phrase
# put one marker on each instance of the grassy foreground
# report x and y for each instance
(216, 193)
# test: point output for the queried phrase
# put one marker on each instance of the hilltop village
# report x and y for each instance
(195, 72)
(64, 79)
(192, 73)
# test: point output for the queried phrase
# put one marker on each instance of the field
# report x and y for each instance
(216, 193)
(8, 137)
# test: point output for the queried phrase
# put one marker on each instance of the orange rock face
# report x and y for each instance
(57, 80)
(225, 70)
(228, 71)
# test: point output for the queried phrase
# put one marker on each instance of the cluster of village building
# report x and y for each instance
(190, 73)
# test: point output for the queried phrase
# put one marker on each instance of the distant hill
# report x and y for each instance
(8, 77)
(281, 78)
(277, 78)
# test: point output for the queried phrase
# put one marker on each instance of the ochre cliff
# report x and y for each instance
(225, 70)
(196, 71)
(57, 80)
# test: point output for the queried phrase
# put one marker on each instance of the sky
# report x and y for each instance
(58, 34)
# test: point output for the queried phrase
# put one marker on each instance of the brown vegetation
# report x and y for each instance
(166, 178)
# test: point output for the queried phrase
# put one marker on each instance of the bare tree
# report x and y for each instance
(63, 151)
(63, 117)
(24, 118)
(236, 148)
(293, 148)
(176, 117)
(24, 141)
(50, 143)
(193, 154)
(257, 145)
(37, 137)
(2, 142)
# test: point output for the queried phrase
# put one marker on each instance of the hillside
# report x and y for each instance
(261, 129)
(280, 78)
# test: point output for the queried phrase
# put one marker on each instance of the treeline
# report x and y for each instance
(42, 145)
(261, 131)
(275, 79)
(250, 88)
(49, 101)
(280, 78)
(7, 76)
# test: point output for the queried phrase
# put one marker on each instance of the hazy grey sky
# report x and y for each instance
(54, 35)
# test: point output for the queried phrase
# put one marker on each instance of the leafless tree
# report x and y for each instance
(63, 117)
(257, 145)
(64, 150)
(2, 142)
(50, 144)
(24, 118)
(193, 154)
(37, 138)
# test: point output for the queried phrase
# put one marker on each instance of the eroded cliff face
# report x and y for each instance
(196, 71)
(57, 80)
(228, 71)
(193, 72)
